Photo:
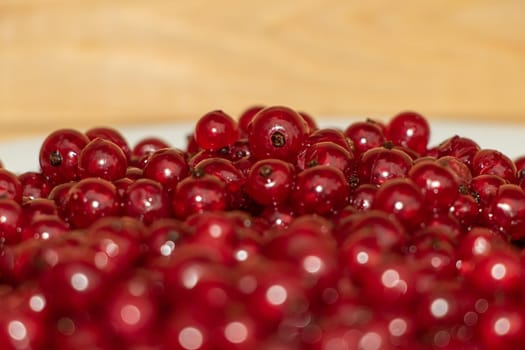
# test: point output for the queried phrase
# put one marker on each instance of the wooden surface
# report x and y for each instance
(84, 63)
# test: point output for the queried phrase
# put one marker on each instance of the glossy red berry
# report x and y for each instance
(10, 221)
(144, 148)
(216, 130)
(168, 166)
(409, 129)
(501, 327)
(246, 117)
(277, 132)
(34, 185)
(437, 183)
(104, 159)
(507, 211)
(10, 186)
(496, 273)
(110, 134)
(492, 162)
(59, 155)
(270, 181)
(459, 147)
(403, 199)
(331, 135)
(146, 200)
(365, 135)
(328, 153)
(380, 164)
(321, 190)
(90, 199)
(199, 194)
(81, 286)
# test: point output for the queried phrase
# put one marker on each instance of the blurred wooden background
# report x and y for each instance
(84, 63)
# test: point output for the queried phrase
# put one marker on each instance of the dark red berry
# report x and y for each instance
(461, 148)
(246, 117)
(146, 200)
(492, 162)
(270, 181)
(277, 132)
(59, 155)
(168, 166)
(409, 129)
(90, 199)
(216, 130)
(199, 194)
(104, 159)
(437, 183)
(144, 148)
(507, 211)
(321, 190)
(403, 198)
(34, 185)
(380, 164)
(365, 136)
(110, 134)
(10, 221)
(10, 186)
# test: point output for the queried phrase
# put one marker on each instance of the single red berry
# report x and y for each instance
(459, 169)
(494, 273)
(331, 135)
(81, 287)
(199, 194)
(380, 164)
(501, 327)
(34, 185)
(507, 211)
(59, 155)
(403, 198)
(44, 228)
(321, 190)
(432, 251)
(479, 241)
(362, 198)
(116, 244)
(270, 181)
(277, 132)
(409, 129)
(365, 135)
(110, 134)
(493, 162)
(19, 330)
(437, 183)
(104, 159)
(328, 153)
(10, 186)
(10, 221)
(484, 187)
(246, 117)
(165, 236)
(216, 130)
(59, 195)
(34, 208)
(465, 209)
(132, 309)
(144, 148)
(167, 166)
(309, 120)
(146, 200)
(90, 199)
(459, 147)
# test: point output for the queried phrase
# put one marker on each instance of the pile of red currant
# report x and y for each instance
(265, 233)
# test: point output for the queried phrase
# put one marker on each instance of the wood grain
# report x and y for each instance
(85, 63)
